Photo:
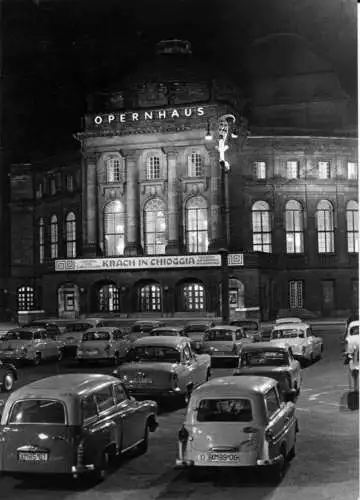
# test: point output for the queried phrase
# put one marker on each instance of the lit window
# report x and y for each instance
(153, 167)
(54, 237)
(296, 294)
(325, 227)
(114, 228)
(352, 170)
(294, 227)
(114, 169)
(25, 298)
(150, 298)
(155, 227)
(194, 297)
(260, 169)
(70, 235)
(324, 169)
(39, 191)
(41, 240)
(261, 226)
(69, 183)
(196, 225)
(52, 186)
(108, 299)
(292, 169)
(195, 167)
(352, 226)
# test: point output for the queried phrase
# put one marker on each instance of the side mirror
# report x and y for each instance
(290, 396)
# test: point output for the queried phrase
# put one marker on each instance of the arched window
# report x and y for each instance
(294, 227)
(153, 167)
(196, 225)
(41, 240)
(261, 226)
(25, 298)
(154, 227)
(114, 170)
(195, 164)
(193, 297)
(352, 226)
(70, 235)
(325, 227)
(150, 298)
(114, 229)
(54, 237)
(108, 299)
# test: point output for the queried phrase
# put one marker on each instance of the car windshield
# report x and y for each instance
(219, 335)
(264, 358)
(246, 325)
(224, 410)
(288, 333)
(166, 333)
(19, 335)
(99, 335)
(77, 327)
(113, 323)
(159, 354)
(195, 328)
(37, 411)
(354, 330)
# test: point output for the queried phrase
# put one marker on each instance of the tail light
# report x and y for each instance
(183, 435)
(174, 380)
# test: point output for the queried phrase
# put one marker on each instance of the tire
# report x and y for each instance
(276, 472)
(102, 469)
(37, 360)
(144, 445)
(292, 453)
(8, 381)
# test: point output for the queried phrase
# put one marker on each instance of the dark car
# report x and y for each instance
(8, 376)
(251, 328)
(195, 332)
(143, 328)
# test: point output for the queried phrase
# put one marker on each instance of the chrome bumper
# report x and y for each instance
(82, 469)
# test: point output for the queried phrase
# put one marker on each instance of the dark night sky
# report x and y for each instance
(57, 51)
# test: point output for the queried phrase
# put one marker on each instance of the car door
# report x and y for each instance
(51, 344)
(129, 418)
(193, 365)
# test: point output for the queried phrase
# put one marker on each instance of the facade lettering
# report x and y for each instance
(160, 114)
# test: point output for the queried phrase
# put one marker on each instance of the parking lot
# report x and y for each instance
(325, 466)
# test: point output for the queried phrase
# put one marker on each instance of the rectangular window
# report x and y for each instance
(296, 294)
(69, 183)
(38, 411)
(261, 231)
(153, 168)
(328, 295)
(195, 165)
(39, 191)
(272, 403)
(260, 170)
(41, 241)
(324, 169)
(352, 226)
(52, 186)
(104, 398)
(352, 170)
(225, 410)
(292, 169)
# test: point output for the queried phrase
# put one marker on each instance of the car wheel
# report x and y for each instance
(37, 359)
(276, 472)
(144, 445)
(8, 381)
(292, 453)
(103, 468)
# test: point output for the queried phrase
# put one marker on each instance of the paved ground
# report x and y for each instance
(325, 468)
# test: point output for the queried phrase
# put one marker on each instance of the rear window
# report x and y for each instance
(166, 333)
(37, 411)
(142, 328)
(99, 335)
(78, 327)
(196, 328)
(288, 333)
(224, 410)
(218, 335)
(19, 335)
(264, 358)
(354, 330)
(246, 325)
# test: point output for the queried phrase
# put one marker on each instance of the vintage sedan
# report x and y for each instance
(30, 344)
(267, 360)
(290, 319)
(251, 328)
(238, 422)
(168, 331)
(225, 342)
(352, 335)
(8, 376)
(196, 331)
(73, 332)
(304, 344)
(72, 424)
(142, 328)
(104, 343)
(163, 367)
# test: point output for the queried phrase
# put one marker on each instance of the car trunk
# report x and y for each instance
(147, 375)
(38, 448)
(221, 347)
(95, 347)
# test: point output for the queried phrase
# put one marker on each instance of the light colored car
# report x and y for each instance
(238, 422)
(281, 321)
(73, 332)
(195, 331)
(72, 424)
(304, 344)
(251, 327)
(163, 367)
(6, 327)
(103, 343)
(267, 360)
(142, 328)
(225, 341)
(30, 344)
(168, 331)
(351, 335)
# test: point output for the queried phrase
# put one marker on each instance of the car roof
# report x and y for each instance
(225, 327)
(290, 319)
(263, 346)
(109, 329)
(164, 340)
(167, 328)
(245, 385)
(280, 326)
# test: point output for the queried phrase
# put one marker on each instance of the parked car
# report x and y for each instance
(196, 331)
(104, 343)
(142, 328)
(251, 328)
(304, 344)
(8, 376)
(163, 367)
(168, 331)
(352, 361)
(267, 360)
(6, 327)
(238, 422)
(29, 344)
(54, 329)
(72, 424)
(225, 341)
(351, 335)
(73, 332)
(281, 321)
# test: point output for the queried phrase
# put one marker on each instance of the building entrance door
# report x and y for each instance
(328, 297)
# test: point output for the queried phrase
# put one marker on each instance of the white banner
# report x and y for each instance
(163, 262)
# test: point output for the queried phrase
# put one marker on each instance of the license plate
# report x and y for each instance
(220, 458)
(33, 457)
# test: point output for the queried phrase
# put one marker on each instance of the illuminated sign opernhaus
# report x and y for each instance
(148, 115)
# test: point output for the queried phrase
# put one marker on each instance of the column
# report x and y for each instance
(90, 205)
(133, 247)
(173, 246)
(215, 201)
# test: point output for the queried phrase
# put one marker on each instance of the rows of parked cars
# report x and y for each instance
(76, 424)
